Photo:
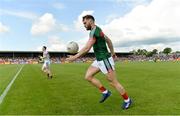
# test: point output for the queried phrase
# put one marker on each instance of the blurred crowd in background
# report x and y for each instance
(129, 58)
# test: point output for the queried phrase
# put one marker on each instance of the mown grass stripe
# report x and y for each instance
(3, 95)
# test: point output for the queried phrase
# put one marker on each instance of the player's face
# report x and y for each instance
(87, 24)
(43, 49)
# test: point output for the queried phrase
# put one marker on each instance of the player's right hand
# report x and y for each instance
(70, 58)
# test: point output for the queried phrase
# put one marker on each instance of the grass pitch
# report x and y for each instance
(153, 87)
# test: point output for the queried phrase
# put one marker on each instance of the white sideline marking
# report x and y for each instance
(3, 95)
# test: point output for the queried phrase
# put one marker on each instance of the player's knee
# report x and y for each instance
(112, 84)
(88, 78)
(109, 78)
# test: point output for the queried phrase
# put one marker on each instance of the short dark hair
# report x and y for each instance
(44, 47)
(88, 17)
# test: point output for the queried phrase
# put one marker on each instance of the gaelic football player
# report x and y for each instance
(104, 61)
(46, 65)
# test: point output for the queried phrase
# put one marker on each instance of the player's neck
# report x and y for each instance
(93, 26)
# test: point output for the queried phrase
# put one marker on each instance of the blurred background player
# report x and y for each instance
(104, 61)
(46, 65)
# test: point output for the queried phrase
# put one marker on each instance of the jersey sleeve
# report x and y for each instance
(96, 34)
(99, 33)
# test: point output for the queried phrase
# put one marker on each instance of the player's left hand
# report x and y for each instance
(39, 56)
(70, 58)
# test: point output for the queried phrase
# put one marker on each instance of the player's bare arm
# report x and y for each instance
(84, 50)
(110, 45)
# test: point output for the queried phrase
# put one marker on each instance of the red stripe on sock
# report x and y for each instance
(125, 96)
(102, 89)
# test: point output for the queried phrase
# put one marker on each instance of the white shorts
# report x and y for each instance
(46, 64)
(105, 66)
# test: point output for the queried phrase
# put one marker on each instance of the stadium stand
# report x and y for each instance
(32, 57)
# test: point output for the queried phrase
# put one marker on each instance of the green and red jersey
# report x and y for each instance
(100, 48)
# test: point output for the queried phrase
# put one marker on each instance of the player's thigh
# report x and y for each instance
(91, 71)
(109, 65)
(106, 65)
